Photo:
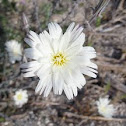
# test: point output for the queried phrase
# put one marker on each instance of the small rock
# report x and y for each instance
(71, 124)
(47, 120)
(117, 53)
(50, 124)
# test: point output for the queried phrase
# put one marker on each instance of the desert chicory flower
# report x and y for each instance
(104, 108)
(60, 60)
(20, 97)
(14, 50)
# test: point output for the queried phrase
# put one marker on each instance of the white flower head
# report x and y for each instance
(20, 97)
(14, 50)
(104, 108)
(60, 60)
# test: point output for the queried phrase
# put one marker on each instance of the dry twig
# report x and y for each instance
(99, 9)
(36, 14)
(68, 114)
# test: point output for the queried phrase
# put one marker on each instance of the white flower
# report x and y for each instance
(60, 60)
(104, 108)
(20, 97)
(14, 49)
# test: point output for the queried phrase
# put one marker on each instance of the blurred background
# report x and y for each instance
(106, 33)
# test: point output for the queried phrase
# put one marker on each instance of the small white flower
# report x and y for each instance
(20, 97)
(14, 50)
(60, 60)
(104, 108)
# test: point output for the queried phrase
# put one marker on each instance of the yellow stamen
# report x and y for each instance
(103, 109)
(19, 96)
(59, 59)
(15, 51)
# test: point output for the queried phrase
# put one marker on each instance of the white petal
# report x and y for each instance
(32, 53)
(45, 85)
(48, 87)
(72, 82)
(31, 69)
(29, 74)
(74, 75)
(47, 35)
(58, 81)
(74, 89)
(33, 39)
(73, 51)
(64, 42)
(30, 64)
(78, 78)
(46, 45)
(88, 52)
(33, 36)
(84, 61)
(80, 60)
(42, 49)
(61, 84)
(77, 33)
(44, 60)
(55, 30)
(93, 65)
(79, 41)
(41, 85)
(68, 91)
(30, 42)
(89, 49)
(75, 29)
(88, 71)
(44, 69)
(70, 28)
(92, 70)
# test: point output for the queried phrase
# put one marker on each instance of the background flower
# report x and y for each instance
(20, 97)
(104, 108)
(14, 50)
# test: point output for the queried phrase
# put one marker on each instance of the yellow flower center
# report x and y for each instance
(59, 59)
(15, 51)
(103, 109)
(19, 96)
